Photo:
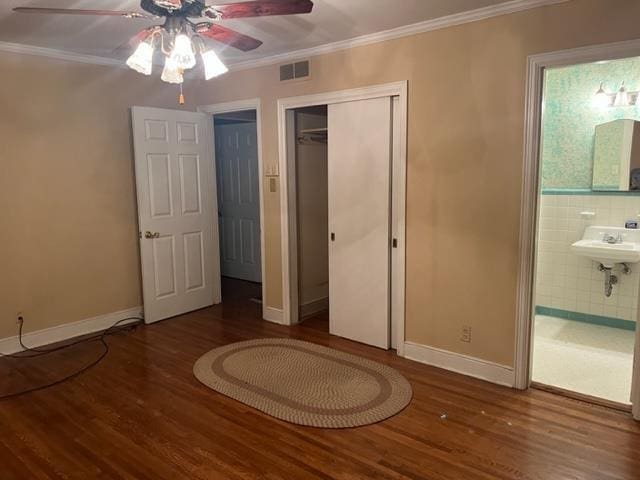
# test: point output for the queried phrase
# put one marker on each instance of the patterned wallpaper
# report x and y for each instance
(570, 117)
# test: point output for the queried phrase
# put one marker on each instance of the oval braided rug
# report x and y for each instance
(305, 383)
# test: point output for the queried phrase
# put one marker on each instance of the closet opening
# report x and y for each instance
(311, 165)
(343, 164)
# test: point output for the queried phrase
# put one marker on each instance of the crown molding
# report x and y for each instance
(23, 49)
(470, 16)
(483, 13)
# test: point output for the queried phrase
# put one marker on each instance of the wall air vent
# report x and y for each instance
(292, 71)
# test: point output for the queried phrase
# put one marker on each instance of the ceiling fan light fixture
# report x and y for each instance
(179, 39)
(213, 66)
(142, 59)
(171, 72)
(182, 54)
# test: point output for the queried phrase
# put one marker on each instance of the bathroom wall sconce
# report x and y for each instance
(621, 98)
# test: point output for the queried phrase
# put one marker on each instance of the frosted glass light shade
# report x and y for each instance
(622, 97)
(601, 99)
(142, 59)
(171, 73)
(213, 66)
(182, 53)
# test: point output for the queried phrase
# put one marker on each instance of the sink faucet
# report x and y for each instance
(612, 239)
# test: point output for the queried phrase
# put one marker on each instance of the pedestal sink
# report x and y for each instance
(609, 245)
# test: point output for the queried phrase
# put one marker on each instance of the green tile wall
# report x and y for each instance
(569, 118)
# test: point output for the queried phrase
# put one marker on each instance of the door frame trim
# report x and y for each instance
(237, 106)
(289, 275)
(536, 64)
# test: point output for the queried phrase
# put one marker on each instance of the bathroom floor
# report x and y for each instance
(589, 359)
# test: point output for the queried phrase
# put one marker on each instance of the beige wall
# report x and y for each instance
(68, 222)
(466, 109)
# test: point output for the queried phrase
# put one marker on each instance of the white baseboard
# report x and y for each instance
(274, 315)
(314, 306)
(456, 362)
(66, 331)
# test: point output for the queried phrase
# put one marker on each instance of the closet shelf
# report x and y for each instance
(308, 131)
(313, 136)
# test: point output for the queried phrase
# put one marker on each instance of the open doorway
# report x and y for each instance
(238, 190)
(585, 302)
(312, 199)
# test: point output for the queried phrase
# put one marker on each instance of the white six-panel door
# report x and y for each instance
(359, 220)
(238, 200)
(175, 181)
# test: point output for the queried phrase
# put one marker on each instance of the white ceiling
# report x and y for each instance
(330, 21)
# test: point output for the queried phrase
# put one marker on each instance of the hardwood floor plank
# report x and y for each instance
(141, 414)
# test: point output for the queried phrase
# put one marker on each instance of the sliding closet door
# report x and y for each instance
(359, 219)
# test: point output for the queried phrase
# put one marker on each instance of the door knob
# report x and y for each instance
(149, 234)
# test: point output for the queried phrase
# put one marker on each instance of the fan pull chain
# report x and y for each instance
(181, 97)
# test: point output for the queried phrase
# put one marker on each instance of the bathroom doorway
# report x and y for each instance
(586, 272)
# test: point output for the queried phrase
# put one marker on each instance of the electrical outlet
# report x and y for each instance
(19, 318)
(466, 334)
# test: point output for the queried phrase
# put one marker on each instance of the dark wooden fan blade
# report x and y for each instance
(230, 37)
(73, 11)
(259, 8)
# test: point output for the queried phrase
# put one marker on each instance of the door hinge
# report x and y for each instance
(394, 243)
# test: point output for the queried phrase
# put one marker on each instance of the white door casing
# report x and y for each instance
(268, 313)
(397, 301)
(398, 220)
(238, 200)
(175, 182)
(536, 64)
(360, 150)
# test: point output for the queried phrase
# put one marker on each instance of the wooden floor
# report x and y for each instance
(141, 414)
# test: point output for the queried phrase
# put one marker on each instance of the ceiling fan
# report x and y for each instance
(186, 23)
